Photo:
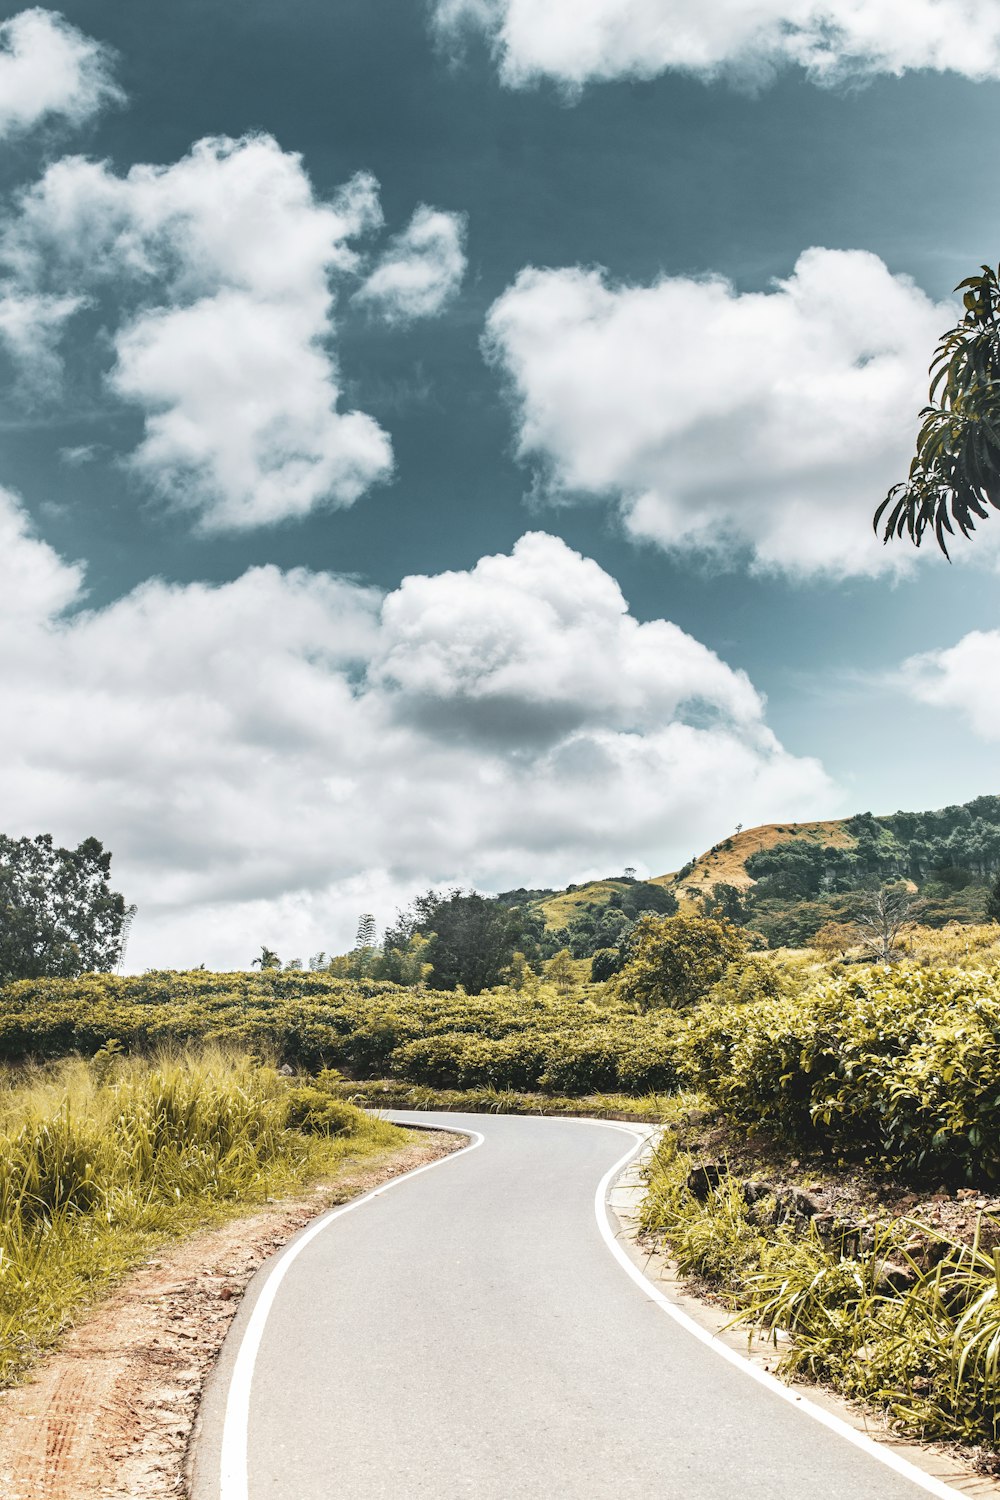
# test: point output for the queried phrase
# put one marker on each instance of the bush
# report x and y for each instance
(675, 961)
(899, 1066)
(317, 1113)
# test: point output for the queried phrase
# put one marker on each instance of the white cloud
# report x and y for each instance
(420, 271)
(719, 421)
(48, 67)
(224, 267)
(960, 678)
(268, 757)
(31, 327)
(576, 42)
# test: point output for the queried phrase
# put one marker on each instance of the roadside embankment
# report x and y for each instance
(108, 1415)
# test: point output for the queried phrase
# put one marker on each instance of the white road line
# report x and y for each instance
(234, 1477)
(878, 1451)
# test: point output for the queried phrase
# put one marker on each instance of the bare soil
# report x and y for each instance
(846, 1190)
(109, 1415)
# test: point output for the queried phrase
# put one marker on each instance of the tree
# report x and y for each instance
(266, 959)
(729, 902)
(605, 963)
(883, 915)
(561, 971)
(993, 902)
(473, 938)
(835, 939)
(675, 961)
(58, 913)
(367, 931)
(955, 473)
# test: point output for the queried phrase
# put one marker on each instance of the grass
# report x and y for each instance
(102, 1161)
(392, 1093)
(911, 1327)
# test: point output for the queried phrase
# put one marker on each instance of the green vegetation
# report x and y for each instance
(100, 1161)
(955, 473)
(911, 1324)
(675, 961)
(896, 1066)
(393, 1093)
(535, 1039)
(58, 914)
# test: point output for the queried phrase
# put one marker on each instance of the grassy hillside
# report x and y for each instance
(792, 878)
(725, 863)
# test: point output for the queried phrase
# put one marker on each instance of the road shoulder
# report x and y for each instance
(109, 1415)
(942, 1463)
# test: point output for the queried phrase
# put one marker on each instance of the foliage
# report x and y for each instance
(392, 1093)
(944, 852)
(100, 1161)
(609, 923)
(836, 939)
(471, 938)
(928, 1355)
(528, 1039)
(605, 963)
(266, 959)
(955, 473)
(58, 914)
(993, 902)
(674, 961)
(894, 1066)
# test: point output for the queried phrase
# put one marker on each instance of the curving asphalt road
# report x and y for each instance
(469, 1335)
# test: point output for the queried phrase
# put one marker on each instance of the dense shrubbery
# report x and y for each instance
(899, 1064)
(502, 1039)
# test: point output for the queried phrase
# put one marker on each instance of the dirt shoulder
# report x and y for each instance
(109, 1415)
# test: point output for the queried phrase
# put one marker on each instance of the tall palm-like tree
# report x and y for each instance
(955, 474)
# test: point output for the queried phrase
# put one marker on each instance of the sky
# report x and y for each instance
(439, 441)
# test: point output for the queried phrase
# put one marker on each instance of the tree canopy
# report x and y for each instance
(58, 914)
(472, 939)
(675, 961)
(955, 474)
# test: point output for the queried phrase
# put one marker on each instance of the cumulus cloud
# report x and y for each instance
(956, 678)
(49, 68)
(221, 271)
(720, 421)
(31, 327)
(421, 270)
(576, 42)
(270, 756)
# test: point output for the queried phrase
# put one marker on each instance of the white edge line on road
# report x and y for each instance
(234, 1477)
(787, 1393)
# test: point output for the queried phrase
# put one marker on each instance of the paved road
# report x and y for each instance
(468, 1335)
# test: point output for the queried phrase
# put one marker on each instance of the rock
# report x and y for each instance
(696, 1118)
(704, 1179)
(286, 1070)
(802, 1204)
(839, 1234)
(894, 1276)
(754, 1192)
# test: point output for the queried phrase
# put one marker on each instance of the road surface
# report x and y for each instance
(468, 1334)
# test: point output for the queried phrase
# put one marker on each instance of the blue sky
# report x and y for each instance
(439, 442)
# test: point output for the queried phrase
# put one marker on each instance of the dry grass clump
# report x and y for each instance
(911, 1325)
(100, 1160)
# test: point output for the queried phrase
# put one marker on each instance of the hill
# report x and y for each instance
(788, 879)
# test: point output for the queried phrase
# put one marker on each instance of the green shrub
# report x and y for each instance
(675, 961)
(899, 1065)
(316, 1112)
